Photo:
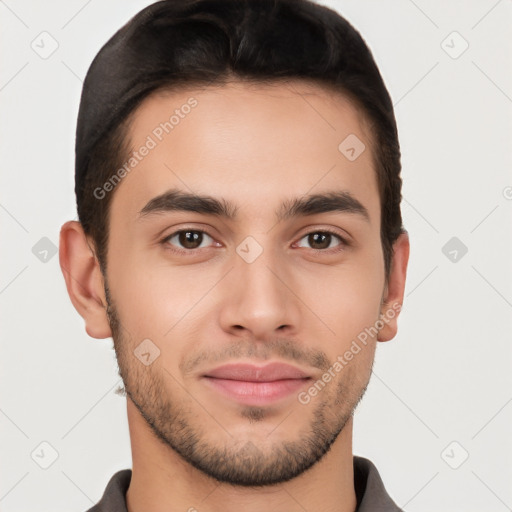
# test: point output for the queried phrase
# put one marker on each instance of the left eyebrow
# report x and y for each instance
(179, 200)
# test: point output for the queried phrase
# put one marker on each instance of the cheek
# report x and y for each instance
(152, 297)
(347, 297)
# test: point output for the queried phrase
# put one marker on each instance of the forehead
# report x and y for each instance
(248, 143)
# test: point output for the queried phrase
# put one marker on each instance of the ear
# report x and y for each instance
(394, 293)
(84, 280)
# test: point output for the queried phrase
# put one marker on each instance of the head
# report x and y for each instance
(238, 191)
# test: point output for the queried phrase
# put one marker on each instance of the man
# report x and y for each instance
(240, 238)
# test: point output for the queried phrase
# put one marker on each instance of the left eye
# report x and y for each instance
(322, 239)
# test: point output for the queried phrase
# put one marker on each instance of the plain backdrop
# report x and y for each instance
(437, 415)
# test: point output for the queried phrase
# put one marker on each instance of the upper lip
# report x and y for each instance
(251, 373)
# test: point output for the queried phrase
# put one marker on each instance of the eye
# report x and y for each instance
(189, 239)
(322, 240)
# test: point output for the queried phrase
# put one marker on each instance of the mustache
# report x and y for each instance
(286, 349)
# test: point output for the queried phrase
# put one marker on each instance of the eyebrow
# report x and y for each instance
(175, 200)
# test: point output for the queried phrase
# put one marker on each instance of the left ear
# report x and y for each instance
(394, 292)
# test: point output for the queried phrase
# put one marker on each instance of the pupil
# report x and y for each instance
(189, 241)
(324, 236)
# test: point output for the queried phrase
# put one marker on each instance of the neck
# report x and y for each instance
(163, 482)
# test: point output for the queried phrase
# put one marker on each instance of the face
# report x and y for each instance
(194, 285)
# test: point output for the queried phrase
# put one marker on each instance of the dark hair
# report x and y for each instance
(177, 43)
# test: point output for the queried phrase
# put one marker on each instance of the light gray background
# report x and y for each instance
(445, 378)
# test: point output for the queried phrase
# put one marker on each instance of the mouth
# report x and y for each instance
(256, 385)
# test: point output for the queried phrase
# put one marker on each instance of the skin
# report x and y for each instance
(298, 302)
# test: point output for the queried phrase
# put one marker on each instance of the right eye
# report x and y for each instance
(189, 239)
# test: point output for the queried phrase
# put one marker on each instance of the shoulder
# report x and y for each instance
(370, 491)
(114, 496)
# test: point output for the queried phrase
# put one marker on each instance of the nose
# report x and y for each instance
(259, 297)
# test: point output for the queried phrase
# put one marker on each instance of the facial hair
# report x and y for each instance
(174, 419)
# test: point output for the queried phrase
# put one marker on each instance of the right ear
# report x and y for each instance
(84, 280)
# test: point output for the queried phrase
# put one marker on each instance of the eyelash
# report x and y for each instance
(191, 252)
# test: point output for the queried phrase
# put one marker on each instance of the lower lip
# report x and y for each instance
(256, 393)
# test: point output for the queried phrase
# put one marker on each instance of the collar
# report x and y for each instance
(371, 494)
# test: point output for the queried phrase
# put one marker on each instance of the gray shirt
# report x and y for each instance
(370, 492)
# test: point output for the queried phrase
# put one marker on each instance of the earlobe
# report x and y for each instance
(394, 295)
(84, 280)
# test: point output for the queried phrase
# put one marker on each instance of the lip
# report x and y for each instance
(252, 373)
(256, 385)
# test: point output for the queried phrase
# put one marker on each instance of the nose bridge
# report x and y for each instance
(259, 299)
